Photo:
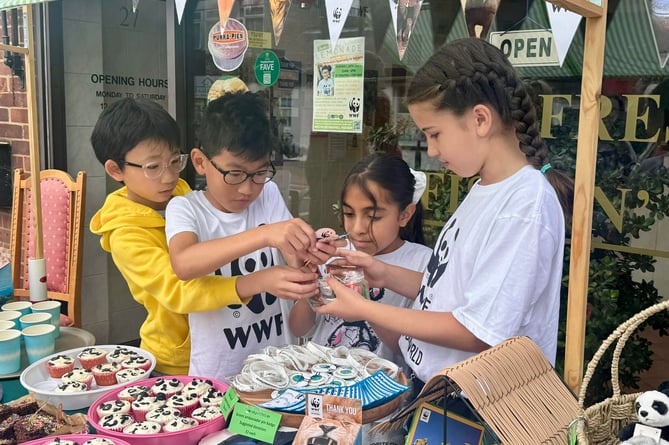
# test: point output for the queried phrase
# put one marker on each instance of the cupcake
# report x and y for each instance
(59, 365)
(78, 375)
(105, 373)
(137, 361)
(130, 393)
(120, 354)
(59, 441)
(116, 422)
(184, 402)
(167, 386)
(162, 415)
(145, 427)
(89, 357)
(213, 397)
(113, 407)
(180, 424)
(71, 387)
(99, 441)
(144, 404)
(129, 375)
(198, 386)
(206, 413)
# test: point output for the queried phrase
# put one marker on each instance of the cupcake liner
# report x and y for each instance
(57, 372)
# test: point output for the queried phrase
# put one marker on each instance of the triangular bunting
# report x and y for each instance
(393, 13)
(407, 14)
(337, 12)
(658, 14)
(135, 3)
(180, 5)
(224, 9)
(279, 9)
(479, 15)
(564, 25)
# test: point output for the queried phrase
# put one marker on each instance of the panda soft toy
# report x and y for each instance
(652, 409)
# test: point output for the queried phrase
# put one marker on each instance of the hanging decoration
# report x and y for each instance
(337, 12)
(135, 4)
(658, 14)
(180, 5)
(407, 14)
(393, 13)
(279, 9)
(564, 24)
(224, 9)
(479, 15)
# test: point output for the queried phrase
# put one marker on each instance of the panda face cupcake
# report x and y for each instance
(113, 407)
(145, 427)
(116, 422)
(180, 424)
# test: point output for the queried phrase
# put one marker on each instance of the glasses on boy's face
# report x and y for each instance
(154, 170)
(236, 177)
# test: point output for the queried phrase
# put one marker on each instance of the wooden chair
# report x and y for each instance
(62, 201)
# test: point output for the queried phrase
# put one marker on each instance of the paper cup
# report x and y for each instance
(20, 306)
(52, 307)
(6, 324)
(10, 351)
(12, 316)
(40, 341)
(35, 318)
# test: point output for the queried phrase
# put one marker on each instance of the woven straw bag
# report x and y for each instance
(601, 422)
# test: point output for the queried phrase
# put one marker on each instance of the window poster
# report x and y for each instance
(338, 85)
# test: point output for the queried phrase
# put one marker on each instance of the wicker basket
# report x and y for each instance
(600, 423)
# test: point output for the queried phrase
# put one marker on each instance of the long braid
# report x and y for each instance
(469, 72)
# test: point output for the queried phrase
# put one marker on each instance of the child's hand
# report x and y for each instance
(293, 237)
(373, 268)
(288, 282)
(347, 304)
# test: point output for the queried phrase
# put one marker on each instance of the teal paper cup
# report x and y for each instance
(35, 318)
(40, 341)
(21, 306)
(10, 351)
(52, 307)
(6, 324)
(12, 316)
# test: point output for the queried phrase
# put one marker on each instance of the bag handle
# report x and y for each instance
(622, 333)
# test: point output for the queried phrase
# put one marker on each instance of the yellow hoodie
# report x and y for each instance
(134, 234)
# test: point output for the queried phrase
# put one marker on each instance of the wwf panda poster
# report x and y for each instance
(338, 85)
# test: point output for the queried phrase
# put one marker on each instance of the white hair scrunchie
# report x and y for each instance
(421, 183)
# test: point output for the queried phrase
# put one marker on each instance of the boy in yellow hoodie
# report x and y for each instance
(137, 142)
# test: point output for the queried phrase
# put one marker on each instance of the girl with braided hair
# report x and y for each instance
(496, 268)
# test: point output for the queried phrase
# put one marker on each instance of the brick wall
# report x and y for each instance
(13, 129)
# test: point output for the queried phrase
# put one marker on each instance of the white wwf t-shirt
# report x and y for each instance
(333, 331)
(497, 266)
(222, 339)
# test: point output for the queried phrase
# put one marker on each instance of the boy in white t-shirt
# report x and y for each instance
(239, 226)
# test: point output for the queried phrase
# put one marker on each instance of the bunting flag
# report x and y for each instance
(279, 9)
(135, 3)
(337, 12)
(180, 5)
(479, 15)
(393, 13)
(564, 25)
(658, 15)
(224, 9)
(407, 14)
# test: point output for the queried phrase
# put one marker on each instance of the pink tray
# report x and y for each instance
(186, 437)
(79, 438)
